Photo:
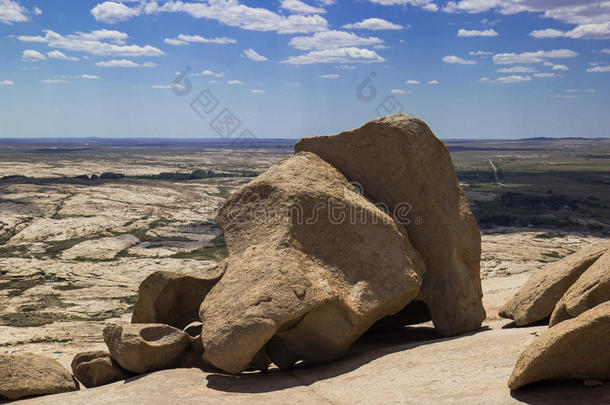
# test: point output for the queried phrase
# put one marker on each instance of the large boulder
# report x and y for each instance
(576, 348)
(174, 298)
(97, 368)
(591, 289)
(24, 375)
(537, 298)
(312, 264)
(399, 162)
(141, 348)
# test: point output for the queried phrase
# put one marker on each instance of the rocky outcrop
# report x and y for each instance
(536, 300)
(576, 348)
(312, 265)
(97, 368)
(141, 348)
(591, 289)
(174, 298)
(399, 162)
(30, 374)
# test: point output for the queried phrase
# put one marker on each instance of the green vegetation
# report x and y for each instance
(218, 251)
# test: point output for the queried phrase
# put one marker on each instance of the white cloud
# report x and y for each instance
(605, 51)
(513, 79)
(167, 86)
(124, 63)
(339, 55)
(235, 83)
(561, 67)
(544, 75)
(427, 5)
(374, 24)
(253, 55)
(54, 81)
(479, 53)
(183, 39)
(532, 57)
(583, 31)
(11, 11)
(332, 40)
(90, 77)
(227, 12)
(32, 55)
(99, 43)
(564, 97)
(37, 11)
(413, 82)
(60, 55)
(6, 83)
(458, 60)
(485, 80)
(111, 12)
(210, 73)
(517, 69)
(476, 33)
(434, 82)
(398, 91)
(329, 76)
(257, 91)
(299, 7)
(599, 69)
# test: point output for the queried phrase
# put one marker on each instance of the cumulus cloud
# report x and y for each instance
(333, 40)
(37, 11)
(532, 57)
(6, 83)
(257, 91)
(211, 73)
(561, 67)
(32, 55)
(99, 43)
(458, 60)
(338, 55)
(413, 82)
(89, 77)
(329, 76)
(583, 31)
(476, 33)
(54, 81)
(227, 12)
(517, 69)
(253, 55)
(183, 39)
(60, 55)
(599, 69)
(427, 5)
(235, 83)
(11, 11)
(374, 24)
(544, 75)
(479, 53)
(433, 82)
(398, 91)
(124, 63)
(299, 7)
(513, 79)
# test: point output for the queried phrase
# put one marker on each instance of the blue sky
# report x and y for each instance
(290, 68)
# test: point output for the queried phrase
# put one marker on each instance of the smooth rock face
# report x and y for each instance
(101, 249)
(303, 271)
(591, 289)
(97, 368)
(576, 348)
(400, 163)
(145, 347)
(174, 298)
(537, 298)
(30, 374)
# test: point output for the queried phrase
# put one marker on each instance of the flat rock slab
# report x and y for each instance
(412, 366)
(100, 249)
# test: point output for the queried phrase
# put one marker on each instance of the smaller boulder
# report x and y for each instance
(576, 348)
(174, 298)
(97, 368)
(590, 290)
(537, 298)
(141, 348)
(24, 375)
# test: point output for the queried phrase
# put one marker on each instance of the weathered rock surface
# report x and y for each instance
(29, 374)
(400, 163)
(97, 368)
(301, 269)
(174, 298)
(576, 348)
(536, 300)
(591, 289)
(145, 347)
(100, 249)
